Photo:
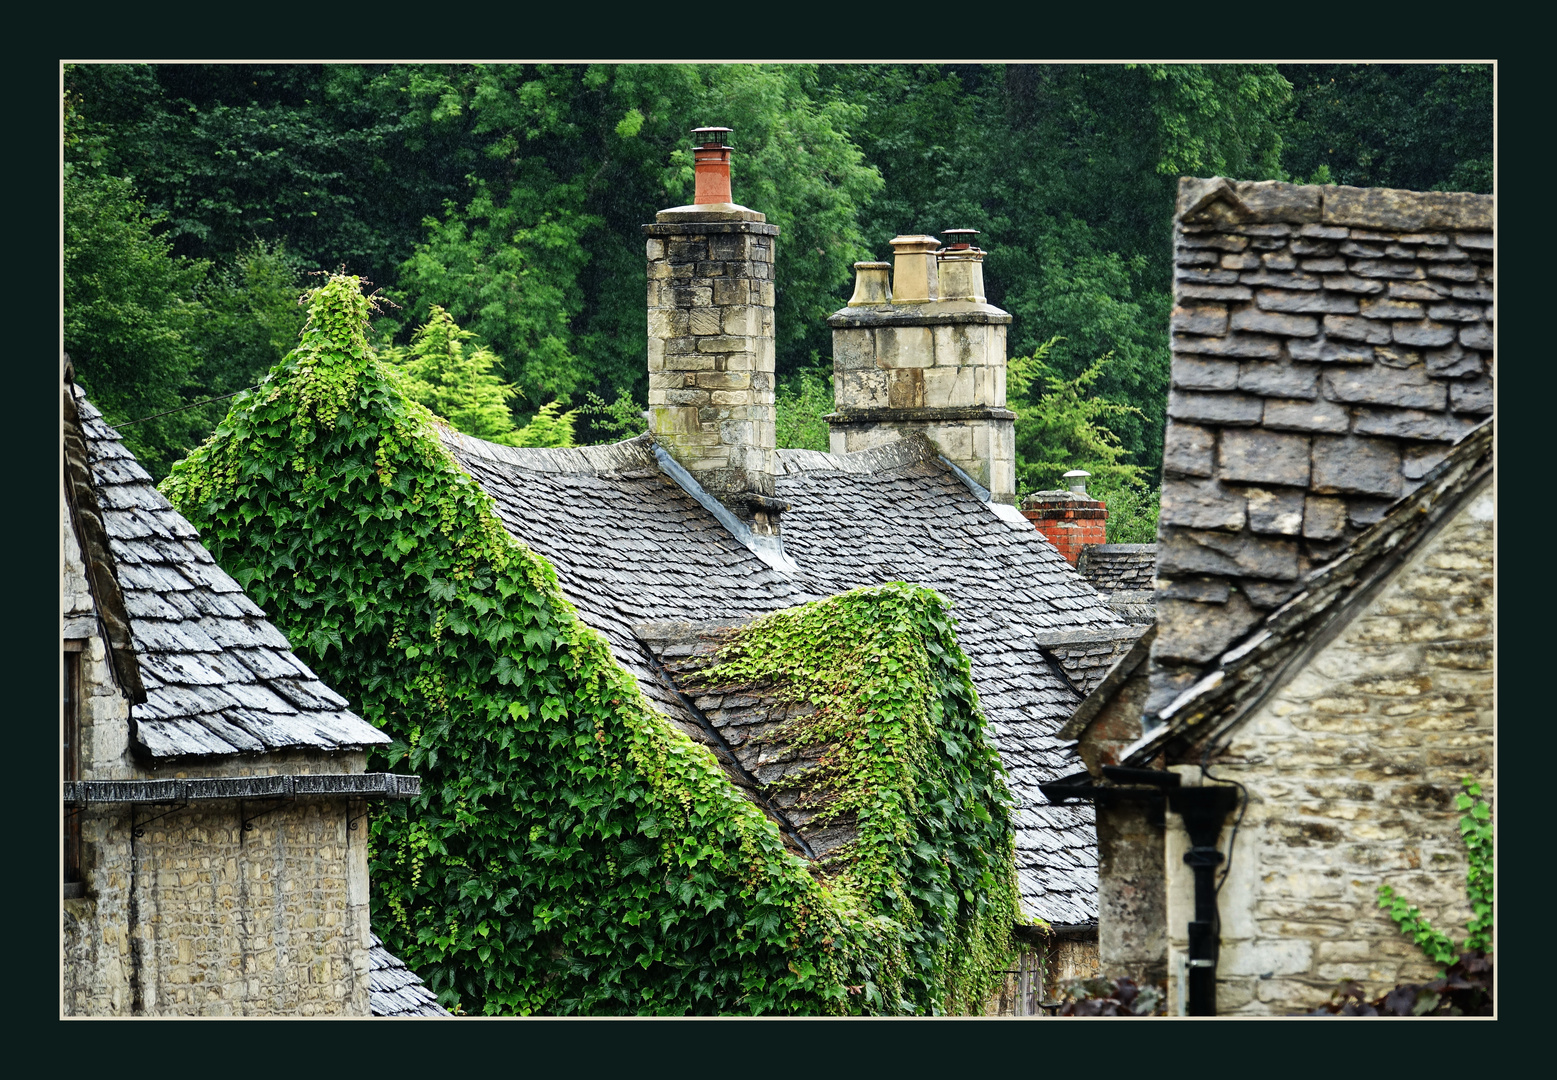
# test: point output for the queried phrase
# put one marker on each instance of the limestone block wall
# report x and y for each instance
(199, 916)
(1329, 343)
(711, 348)
(1352, 769)
(938, 368)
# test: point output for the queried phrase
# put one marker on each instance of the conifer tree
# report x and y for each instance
(447, 371)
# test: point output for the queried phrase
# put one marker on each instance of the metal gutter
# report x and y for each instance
(392, 786)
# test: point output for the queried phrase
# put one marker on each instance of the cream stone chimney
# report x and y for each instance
(927, 354)
(711, 345)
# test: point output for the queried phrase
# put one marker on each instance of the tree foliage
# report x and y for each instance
(1426, 127)
(572, 851)
(1060, 424)
(131, 316)
(448, 372)
(512, 195)
(800, 406)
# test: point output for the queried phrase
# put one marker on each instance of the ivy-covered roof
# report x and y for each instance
(631, 547)
(219, 678)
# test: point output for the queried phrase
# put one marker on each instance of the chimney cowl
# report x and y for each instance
(958, 239)
(1078, 481)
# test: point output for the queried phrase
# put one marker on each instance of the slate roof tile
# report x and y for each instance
(394, 990)
(219, 678)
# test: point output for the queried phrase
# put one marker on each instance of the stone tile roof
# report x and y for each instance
(394, 989)
(1123, 575)
(631, 547)
(1329, 345)
(1110, 567)
(219, 678)
(1083, 658)
(1231, 686)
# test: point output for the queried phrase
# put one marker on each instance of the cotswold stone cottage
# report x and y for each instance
(1320, 676)
(663, 540)
(215, 799)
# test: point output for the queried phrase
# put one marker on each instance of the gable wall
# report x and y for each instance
(1352, 769)
(199, 917)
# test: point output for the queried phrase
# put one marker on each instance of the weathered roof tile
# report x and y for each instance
(629, 546)
(219, 678)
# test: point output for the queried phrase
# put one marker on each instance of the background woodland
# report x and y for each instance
(499, 208)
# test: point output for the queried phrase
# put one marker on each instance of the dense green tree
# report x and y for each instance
(251, 319)
(512, 195)
(800, 406)
(445, 369)
(1060, 424)
(1427, 127)
(1069, 172)
(131, 313)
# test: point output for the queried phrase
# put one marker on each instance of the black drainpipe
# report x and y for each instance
(1203, 810)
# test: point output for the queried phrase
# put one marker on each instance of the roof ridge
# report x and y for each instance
(907, 450)
(634, 453)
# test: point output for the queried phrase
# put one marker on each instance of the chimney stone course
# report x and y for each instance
(926, 354)
(711, 341)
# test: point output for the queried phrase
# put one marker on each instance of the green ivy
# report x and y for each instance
(1476, 831)
(905, 759)
(572, 851)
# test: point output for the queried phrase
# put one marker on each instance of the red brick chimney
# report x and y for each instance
(1070, 520)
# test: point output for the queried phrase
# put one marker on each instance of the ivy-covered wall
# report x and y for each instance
(572, 851)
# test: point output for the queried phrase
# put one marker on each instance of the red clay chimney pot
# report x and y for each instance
(711, 167)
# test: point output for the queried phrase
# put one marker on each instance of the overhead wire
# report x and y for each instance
(185, 408)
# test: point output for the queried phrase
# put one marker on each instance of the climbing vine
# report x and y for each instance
(572, 851)
(905, 761)
(1476, 832)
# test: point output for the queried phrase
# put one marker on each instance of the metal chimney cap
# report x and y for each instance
(959, 239)
(1078, 480)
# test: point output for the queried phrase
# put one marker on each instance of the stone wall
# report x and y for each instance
(1329, 343)
(1132, 893)
(199, 916)
(1352, 769)
(711, 348)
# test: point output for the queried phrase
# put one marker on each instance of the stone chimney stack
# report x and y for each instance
(926, 354)
(711, 352)
(1070, 520)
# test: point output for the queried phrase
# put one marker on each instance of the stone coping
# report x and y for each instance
(931, 313)
(902, 416)
(1217, 200)
(322, 785)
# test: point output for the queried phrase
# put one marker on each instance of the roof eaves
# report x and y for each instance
(1235, 684)
(1118, 673)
